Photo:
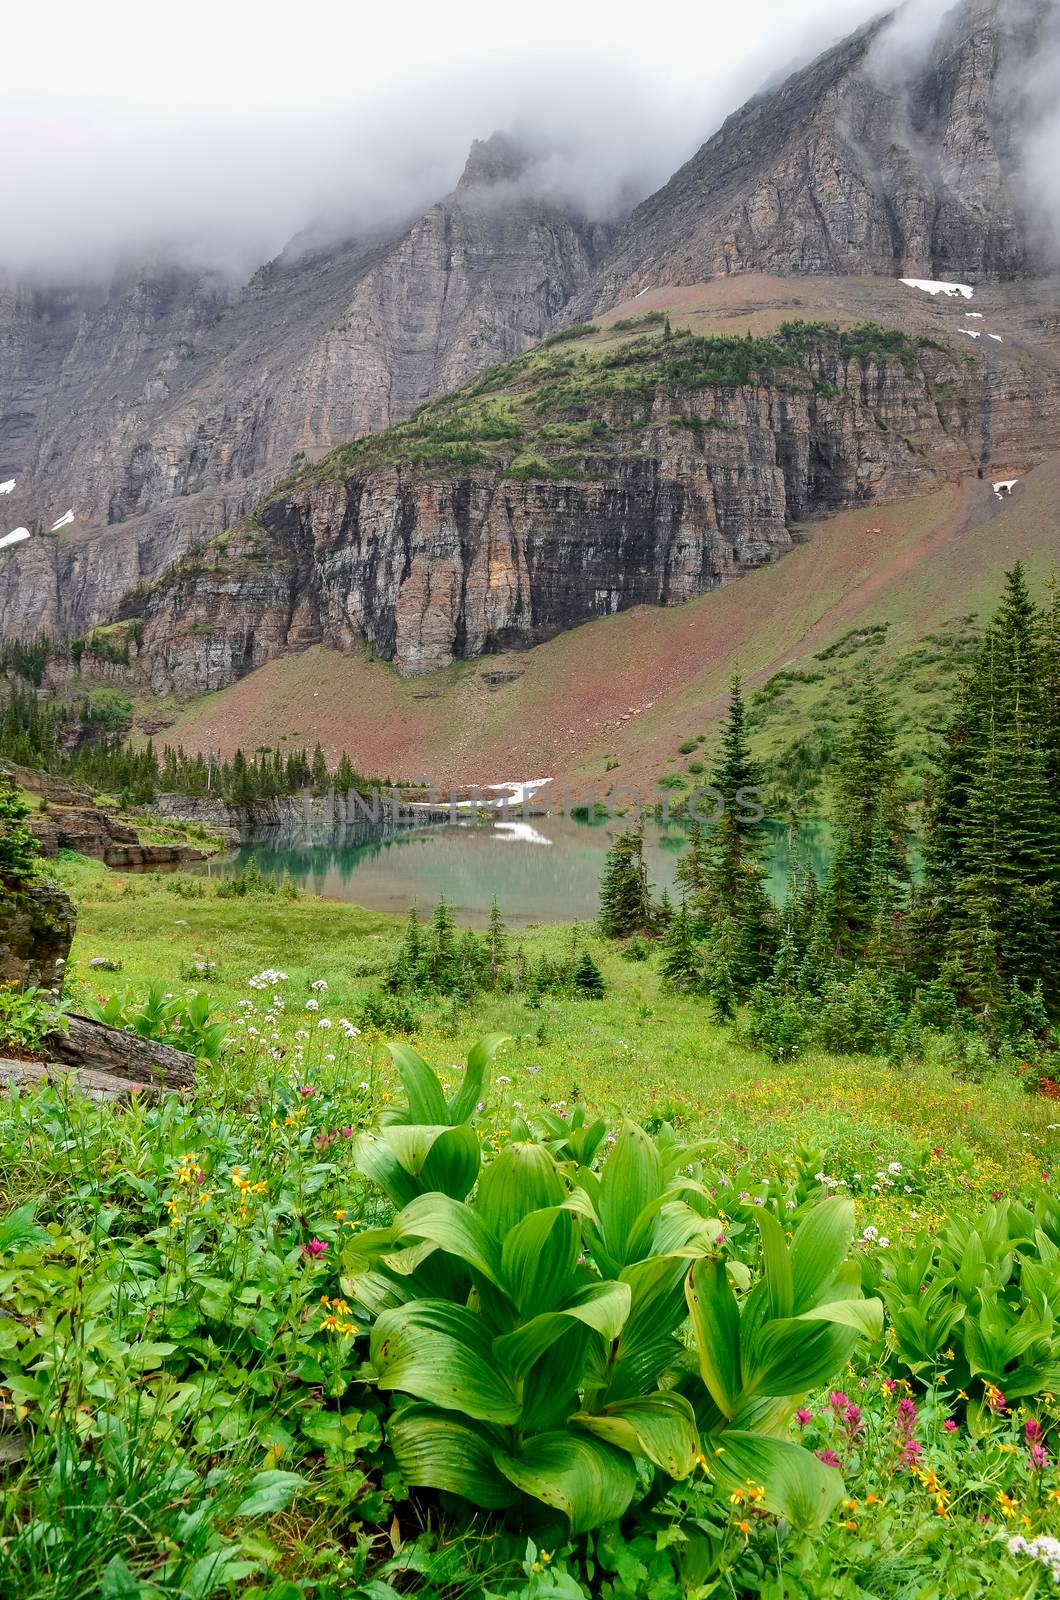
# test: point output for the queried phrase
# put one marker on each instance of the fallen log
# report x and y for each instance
(97, 1085)
(90, 1045)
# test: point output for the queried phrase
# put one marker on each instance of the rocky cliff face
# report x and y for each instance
(682, 489)
(160, 408)
(867, 161)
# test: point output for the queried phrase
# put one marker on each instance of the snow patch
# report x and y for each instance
(16, 536)
(518, 833)
(996, 336)
(971, 332)
(640, 292)
(63, 522)
(977, 314)
(1005, 486)
(933, 286)
(518, 792)
(6, 488)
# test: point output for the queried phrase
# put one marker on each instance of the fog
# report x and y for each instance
(212, 133)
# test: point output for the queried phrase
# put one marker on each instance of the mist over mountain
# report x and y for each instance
(213, 144)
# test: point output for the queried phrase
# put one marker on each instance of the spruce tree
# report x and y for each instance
(496, 945)
(625, 899)
(682, 962)
(318, 776)
(440, 951)
(588, 980)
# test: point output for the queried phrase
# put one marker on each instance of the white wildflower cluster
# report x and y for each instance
(831, 1183)
(319, 986)
(1042, 1549)
(348, 1028)
(885, 1178)
(872, 1236)
(312, 1005)
(267, 979)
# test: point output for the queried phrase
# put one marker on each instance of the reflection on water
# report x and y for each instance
(541, 869)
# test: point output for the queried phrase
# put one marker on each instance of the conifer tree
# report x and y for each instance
(496, 945)
(440, 954)
(318, 777)
(588, 980)
(345, 778)
(625, 899)
(682, 963)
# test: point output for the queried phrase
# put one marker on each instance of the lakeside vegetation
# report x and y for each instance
(716, 1269)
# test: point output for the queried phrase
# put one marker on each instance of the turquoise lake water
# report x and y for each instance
(541, 869)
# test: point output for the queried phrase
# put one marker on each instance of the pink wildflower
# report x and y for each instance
(949, 1425)
(829, 1457)
(1032, 1431)
(889, 1385)
(802, 1416)
(838, 1400)
(314, 1249)
(1039, 1457)
(347, 1132)
(306, 1089)
(852, 1420)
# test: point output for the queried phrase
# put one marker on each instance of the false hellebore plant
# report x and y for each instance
(561, 1329)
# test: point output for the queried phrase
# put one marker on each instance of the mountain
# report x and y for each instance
(611, 467)
(864, 162)
(159, 408)
(421, 449)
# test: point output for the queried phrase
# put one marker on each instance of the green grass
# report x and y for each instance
(191, 1426)
(638, 1051)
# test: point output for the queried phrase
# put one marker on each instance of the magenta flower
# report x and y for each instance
(829, 1457)
(307, 1089)
(949, 1425)
(314, 1249)
(802, 1416)
(1032, 1431)
(347, 1132)
(1039, 1457)
(852, 1420)
(838, 1400)
(889, 1385)
(910, 1453)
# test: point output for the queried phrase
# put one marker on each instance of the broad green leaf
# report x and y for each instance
(603, 1307)
(797, 1486)
(631, 1179)
(646, 1346)
(269, 1491)
(441, 1353)
(538, 1260)
(864, 1315)
(522, 1179)
(453, 1227)
(225, 1566)
(117, 1582)
(681, 1231)
(588, 1480)
(716, 1327)
(791, 1356)
(436, 1450)
(819, 1248)
(18, 1228)
(462, 1104)
(776, 1263)
(373, 1156)
(453, 1162)
(660, 1426)
(425, 1097)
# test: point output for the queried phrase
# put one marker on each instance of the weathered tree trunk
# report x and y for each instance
(95, 1047)
(106, 1061)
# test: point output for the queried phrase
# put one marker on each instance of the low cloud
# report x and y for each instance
(214, 143)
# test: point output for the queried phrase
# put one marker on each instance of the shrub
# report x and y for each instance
(26, 1019)
(19, 850)
(185, 1023)
(559, 1338)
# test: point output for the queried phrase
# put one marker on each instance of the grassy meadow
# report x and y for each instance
(195, 1396)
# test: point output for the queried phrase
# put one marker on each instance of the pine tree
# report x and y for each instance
(345, 777)
(496, 945)
(588, 980)
(318, 777)
(682, 963)
(440, 953)
(19, 849)
(625, 899)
